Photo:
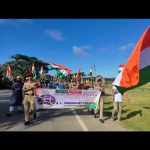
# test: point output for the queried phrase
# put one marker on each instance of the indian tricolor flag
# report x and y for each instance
(62, 71)
(33, 71)
(42, 72)
(136, 71)
(8, 73)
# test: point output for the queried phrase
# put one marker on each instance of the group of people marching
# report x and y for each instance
(23, 93)
(23, 90)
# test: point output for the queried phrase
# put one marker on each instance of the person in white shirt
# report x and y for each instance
(117, 102)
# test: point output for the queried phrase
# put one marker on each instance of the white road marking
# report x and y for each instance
(83, 126)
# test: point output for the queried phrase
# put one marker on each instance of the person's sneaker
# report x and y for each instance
(34, 116)
(101, 120)
(9, 114)
(26, 123)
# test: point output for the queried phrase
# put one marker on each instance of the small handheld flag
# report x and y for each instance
(8, 73)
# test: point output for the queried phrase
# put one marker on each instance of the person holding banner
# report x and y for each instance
(100, 107)
(29, 101)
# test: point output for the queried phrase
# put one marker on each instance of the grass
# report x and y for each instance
(136, 112)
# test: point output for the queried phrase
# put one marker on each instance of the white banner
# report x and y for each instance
(67, 98)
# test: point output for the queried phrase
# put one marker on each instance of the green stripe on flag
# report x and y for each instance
(144, 78)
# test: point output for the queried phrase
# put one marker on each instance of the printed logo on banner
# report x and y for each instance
(46, 99)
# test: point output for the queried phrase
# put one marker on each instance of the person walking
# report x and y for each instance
(99, 86)
(117, 104)
(16, 97)
(29, 100)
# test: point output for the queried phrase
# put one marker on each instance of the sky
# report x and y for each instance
(74, 43)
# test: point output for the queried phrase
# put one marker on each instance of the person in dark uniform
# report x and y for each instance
(16, 97)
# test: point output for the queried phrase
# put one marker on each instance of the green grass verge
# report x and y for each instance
(136, 113)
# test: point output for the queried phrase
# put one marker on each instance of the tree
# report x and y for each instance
(21, 64)
(1, 70)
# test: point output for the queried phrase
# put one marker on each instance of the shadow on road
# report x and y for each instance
(7, 123)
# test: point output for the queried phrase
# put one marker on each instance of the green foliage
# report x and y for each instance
(21, 64)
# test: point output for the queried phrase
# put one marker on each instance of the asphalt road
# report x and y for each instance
(54, 119)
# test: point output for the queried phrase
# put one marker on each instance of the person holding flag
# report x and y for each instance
(136, 71)
(16, 97)
(117, 100)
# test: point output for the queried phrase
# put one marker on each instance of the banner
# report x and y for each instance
(66, 98)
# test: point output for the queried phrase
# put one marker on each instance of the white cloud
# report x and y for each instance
(81, 51)
(126, 46)
(55, 34)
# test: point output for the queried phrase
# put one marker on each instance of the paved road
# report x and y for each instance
(54, 119)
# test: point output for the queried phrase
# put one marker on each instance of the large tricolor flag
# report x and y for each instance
(62, 71)
(33, 71)
(8, 73)
(136, 71)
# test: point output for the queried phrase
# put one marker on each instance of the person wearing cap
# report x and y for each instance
(29, 100)
(100, 86)
(17, 97)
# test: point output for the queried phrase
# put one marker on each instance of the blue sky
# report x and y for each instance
(74, 43)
